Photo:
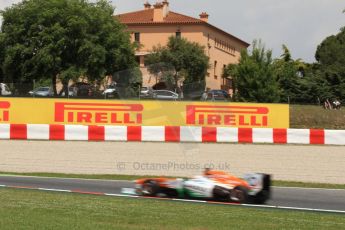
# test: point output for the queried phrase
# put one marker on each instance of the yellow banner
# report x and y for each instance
(145, 113)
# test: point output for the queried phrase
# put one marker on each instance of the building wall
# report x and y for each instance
(221, 48)
(151, 36)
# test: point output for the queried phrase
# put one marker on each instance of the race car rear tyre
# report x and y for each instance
(150, 188)
(239, 194)
(261, 197)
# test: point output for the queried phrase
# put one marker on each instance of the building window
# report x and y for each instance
(215, 70)
(137, 37)
(225, 46)
(178, 34)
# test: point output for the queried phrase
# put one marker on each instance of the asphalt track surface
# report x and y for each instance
(305, 198)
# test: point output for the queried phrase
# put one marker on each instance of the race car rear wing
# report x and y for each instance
(260, 185)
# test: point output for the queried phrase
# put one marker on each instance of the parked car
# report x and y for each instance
(71, 92)
(111, 91)
(45, 91)
(4, 90)
(82, 89)
(146, 92)
(217, 95)
(165, 95)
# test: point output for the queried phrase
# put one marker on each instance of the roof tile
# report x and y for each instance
(146, 16)
(143, 17)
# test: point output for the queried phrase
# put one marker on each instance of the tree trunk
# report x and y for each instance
(64, 88)
(54, 84)
(177, 88)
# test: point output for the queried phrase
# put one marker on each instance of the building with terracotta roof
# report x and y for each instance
(153, 25)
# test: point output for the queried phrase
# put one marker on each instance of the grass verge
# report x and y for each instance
(47, 210)
(129, 177)
(307, 185)
(312, 116)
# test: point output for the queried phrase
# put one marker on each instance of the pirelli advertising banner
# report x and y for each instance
(142, 113)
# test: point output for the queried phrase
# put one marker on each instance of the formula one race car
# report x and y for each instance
(213, 185)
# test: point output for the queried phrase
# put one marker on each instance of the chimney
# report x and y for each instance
(147, 5)
(204, 17)
(158, 12)
(165, 8)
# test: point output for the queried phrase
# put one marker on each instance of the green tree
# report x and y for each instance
(2, 48)
(66, 38)
(254, 79)
(179, 61)
(330, 67)
(294, 79)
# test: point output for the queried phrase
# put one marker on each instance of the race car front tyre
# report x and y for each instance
(150, 188)
(239, 194)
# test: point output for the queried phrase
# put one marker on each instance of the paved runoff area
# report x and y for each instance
(323, 164)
